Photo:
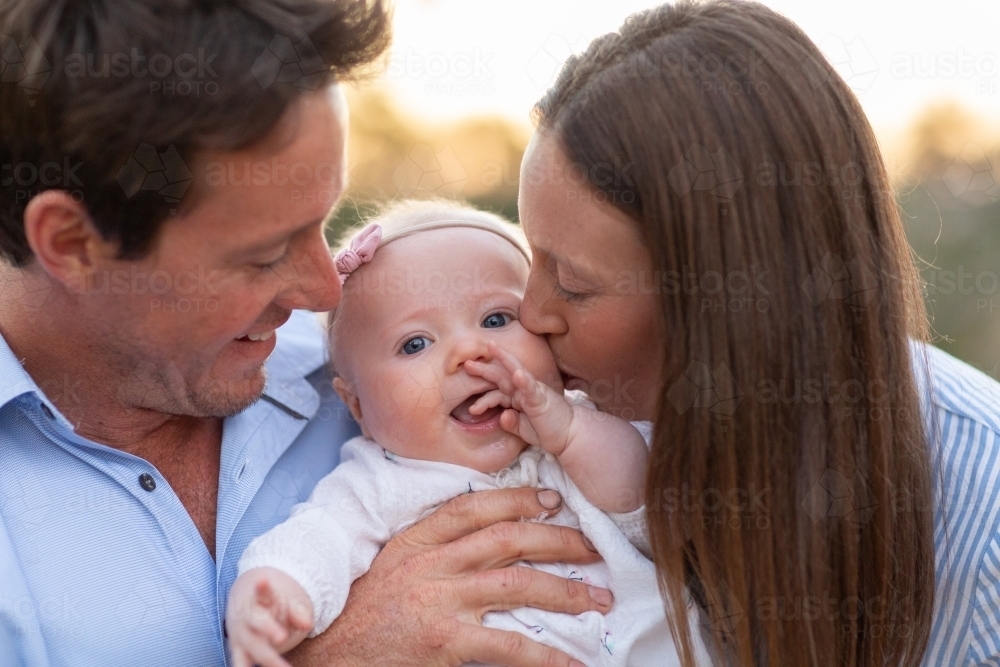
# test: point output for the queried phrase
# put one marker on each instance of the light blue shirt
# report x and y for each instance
(95, 569)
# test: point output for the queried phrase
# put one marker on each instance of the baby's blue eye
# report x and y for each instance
(415, 344)
(495, 321)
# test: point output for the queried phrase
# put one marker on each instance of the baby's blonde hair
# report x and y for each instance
(408, 216)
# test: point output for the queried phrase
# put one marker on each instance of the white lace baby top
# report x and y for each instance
(331, 539)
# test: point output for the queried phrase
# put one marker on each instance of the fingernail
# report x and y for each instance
(601, 596)
(549, 499)
(576, 663)
(587, 543)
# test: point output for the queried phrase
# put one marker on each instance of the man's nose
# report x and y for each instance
(312, 282)
(470, 347)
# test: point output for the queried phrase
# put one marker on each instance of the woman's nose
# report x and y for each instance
(539, 307)
(471, 347)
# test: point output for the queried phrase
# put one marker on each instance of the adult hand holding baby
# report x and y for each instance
(423, 599)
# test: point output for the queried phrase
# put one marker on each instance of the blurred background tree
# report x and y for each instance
(394, 155)
(947, 182)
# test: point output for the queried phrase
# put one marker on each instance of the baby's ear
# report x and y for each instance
(346, 392)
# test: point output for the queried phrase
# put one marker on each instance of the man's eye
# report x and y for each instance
(496, 321)
(273, 263)
(415, 344)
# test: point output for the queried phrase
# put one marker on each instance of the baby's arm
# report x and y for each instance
(604, 456)
(325, 544)
(268, 614)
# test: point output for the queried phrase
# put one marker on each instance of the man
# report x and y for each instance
(166, 171)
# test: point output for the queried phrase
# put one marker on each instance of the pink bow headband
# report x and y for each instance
(362, 248)
(360, 251)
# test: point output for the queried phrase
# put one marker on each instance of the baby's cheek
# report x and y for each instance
(416, 390)
(399, 423)
(537, 358)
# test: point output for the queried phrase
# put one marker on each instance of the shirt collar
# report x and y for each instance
(300, 351)
(14, 380)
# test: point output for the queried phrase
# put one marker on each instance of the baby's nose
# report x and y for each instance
(469, 348)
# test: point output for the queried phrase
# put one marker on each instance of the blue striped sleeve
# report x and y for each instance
(963, 428)
(984, 634)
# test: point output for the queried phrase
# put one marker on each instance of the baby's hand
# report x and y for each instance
(268, 614)
(535, 412)
(583, 438)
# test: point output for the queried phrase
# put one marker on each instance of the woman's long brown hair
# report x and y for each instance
(790, 486)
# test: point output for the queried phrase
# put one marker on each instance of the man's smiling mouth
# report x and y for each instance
(266, 335)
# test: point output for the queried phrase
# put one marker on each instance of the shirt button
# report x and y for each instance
(47, 411)
(147, 482)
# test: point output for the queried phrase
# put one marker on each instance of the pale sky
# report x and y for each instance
(453, 58)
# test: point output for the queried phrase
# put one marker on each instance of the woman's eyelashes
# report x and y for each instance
(559, 275)
(566, 295)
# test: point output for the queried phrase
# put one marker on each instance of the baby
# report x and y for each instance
(453, 395)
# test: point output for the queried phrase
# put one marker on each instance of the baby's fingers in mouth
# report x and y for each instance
(490, 399)
(479, 368)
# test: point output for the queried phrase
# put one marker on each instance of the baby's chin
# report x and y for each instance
(485, 455)
(494, 456)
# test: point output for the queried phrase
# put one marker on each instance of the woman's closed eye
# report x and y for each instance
(415, 344)
(582, 287)
(567, 295)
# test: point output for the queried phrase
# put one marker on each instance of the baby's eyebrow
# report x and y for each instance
(432, 305)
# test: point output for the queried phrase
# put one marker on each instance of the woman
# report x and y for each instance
(717, 248)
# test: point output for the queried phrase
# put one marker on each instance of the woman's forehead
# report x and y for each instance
(559, 207)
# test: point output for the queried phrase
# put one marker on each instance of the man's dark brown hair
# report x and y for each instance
(110, 99)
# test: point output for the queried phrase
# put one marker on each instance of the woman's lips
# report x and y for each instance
(572, 382)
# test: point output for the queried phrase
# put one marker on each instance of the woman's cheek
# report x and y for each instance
(541, 363)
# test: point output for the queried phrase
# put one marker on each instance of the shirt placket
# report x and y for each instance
(151, 489)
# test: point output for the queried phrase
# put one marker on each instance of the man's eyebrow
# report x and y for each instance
(278, 238)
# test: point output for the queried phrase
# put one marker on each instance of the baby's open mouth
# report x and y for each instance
(462, 414)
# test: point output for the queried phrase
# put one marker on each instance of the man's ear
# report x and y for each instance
(346, 392)
(63, 238)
